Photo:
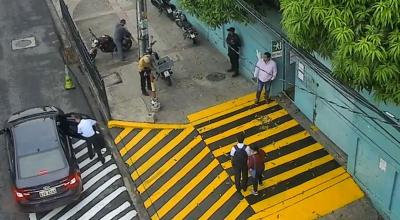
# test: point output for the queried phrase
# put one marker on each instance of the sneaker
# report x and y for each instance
(254, 193)
(235, 75)
(229, 70)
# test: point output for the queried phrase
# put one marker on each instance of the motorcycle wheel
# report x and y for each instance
(127, 45)
(179, 23)
(194, 41)
(171, 15)
(154, 2)
(169, 80)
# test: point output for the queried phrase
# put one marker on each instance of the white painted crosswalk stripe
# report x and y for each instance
(97, 173)
(87, 161)
(78, 143)
(86, 200)
(100, 175)
(116, 211)
(95, 209)
(95, 167)
(128, 216)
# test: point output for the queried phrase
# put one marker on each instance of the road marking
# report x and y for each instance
(134, 141)
(88, 160)
(78, 143)
(161, 153)
(95, 209)
(185, 190)
(81, 153)
(122, 135)
(168, 165)
(224, 108)
(116, 211)
(202, 195)
(98, 176)
(128, 216)
(222, 200)
(143, 150)
(32, 216)
(254, 123)
(231, 119)
(234, 214)
(86, 200)
(95, 167)
(173, 180)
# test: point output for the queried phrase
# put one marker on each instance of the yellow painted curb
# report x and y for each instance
(128, 124)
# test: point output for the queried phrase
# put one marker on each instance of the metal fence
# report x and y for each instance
(94, 75)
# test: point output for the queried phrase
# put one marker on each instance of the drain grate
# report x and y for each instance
(23, 43)
(215, 76)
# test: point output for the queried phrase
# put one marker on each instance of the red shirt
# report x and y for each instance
(257, 160)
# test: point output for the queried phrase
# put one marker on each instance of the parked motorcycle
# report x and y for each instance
(188, 31)
(106, 44)
(162, 65)
(166, 6)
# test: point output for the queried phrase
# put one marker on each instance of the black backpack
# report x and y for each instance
(240, 156)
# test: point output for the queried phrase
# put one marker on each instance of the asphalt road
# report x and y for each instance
(31, 77)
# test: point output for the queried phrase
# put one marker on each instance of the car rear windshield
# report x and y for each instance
(41, 163)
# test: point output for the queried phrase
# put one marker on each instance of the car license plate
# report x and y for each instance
(48, 192)
(169, 10)
(166, 73)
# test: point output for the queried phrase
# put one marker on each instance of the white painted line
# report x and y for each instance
(95, 167)
(116, 211)
(78, 143)
(87, 161)
(92, 196)
(32, 216)
(54, 212)
(129, 216)
(95, 209)
(81, 153)
(100, 175)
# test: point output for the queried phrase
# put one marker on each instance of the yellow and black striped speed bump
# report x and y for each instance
(184, 171)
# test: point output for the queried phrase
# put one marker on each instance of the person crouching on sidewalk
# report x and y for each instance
(255, 163)
(145, 74)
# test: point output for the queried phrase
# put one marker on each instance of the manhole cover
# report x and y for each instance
(215, 76)
(23, 43)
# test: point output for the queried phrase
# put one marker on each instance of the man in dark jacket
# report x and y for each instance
(233, 42)
(119, 34)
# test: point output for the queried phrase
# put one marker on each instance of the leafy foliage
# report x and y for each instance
(361, 37)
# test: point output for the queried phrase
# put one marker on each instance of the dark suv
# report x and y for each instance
(43, 167)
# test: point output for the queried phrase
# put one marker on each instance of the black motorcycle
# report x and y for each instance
(106, 44)
(162, 65)
(188, 31)
(165, 6)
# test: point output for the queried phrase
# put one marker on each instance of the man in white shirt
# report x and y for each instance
(85, 129)
(265, 72)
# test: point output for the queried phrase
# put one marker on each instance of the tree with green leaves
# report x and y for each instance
(361, 37)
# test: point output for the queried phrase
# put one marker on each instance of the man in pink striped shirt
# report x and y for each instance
(265, 72)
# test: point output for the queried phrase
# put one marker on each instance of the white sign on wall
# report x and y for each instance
(300, 71)
(382, 165)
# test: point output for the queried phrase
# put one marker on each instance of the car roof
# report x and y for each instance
(35, 135)
(32, 112)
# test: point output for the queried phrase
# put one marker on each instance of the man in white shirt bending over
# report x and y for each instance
(85, 129)
(265, 72)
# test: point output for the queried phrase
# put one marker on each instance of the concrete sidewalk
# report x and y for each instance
(196, 68)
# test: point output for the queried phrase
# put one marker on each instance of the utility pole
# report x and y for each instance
(142, 24)
(143, 36)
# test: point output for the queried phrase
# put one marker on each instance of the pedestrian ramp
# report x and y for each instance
(183, 171)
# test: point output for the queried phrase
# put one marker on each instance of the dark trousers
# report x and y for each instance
(118, 44)
(234, 59)
(95, 142)
(257, 180)
(145, 79)
(241, 177)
